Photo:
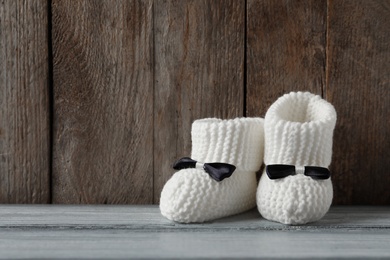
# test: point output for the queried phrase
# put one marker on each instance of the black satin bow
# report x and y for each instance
(279, 171)
(217, 171)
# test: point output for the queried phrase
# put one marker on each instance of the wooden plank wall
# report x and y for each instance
(97, 97)
(24, 102)
(103, 101)
(199, 72)
(358, 84)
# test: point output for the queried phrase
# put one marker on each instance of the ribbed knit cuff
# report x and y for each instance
(299, 130)
(238, 141)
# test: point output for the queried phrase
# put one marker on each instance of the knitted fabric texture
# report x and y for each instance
(191, 195)
(298, 131)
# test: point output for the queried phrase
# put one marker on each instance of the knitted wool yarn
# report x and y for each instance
(298, 131)
(191, 195)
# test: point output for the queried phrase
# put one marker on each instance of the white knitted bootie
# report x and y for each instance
(298, 133)
(193, 195)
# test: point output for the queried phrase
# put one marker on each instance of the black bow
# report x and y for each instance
(279, 171)
(217, 171)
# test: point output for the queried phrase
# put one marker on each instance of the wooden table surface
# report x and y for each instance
(122, 232)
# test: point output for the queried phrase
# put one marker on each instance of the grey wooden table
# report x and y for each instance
(122, 232)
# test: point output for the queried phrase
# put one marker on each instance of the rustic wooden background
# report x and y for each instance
(97, 97)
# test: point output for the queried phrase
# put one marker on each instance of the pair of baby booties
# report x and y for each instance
(297, 131)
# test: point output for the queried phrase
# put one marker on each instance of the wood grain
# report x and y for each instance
(149, 219)
(199, 70)
(125, 244)
(285, 50)
(24, 102)
(103, 121)
(359, 86)
(123, 232)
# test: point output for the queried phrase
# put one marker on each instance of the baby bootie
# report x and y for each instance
(295, 187)
(220, 177)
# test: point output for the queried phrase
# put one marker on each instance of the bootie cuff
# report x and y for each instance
(236, 141)
(299, 130)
